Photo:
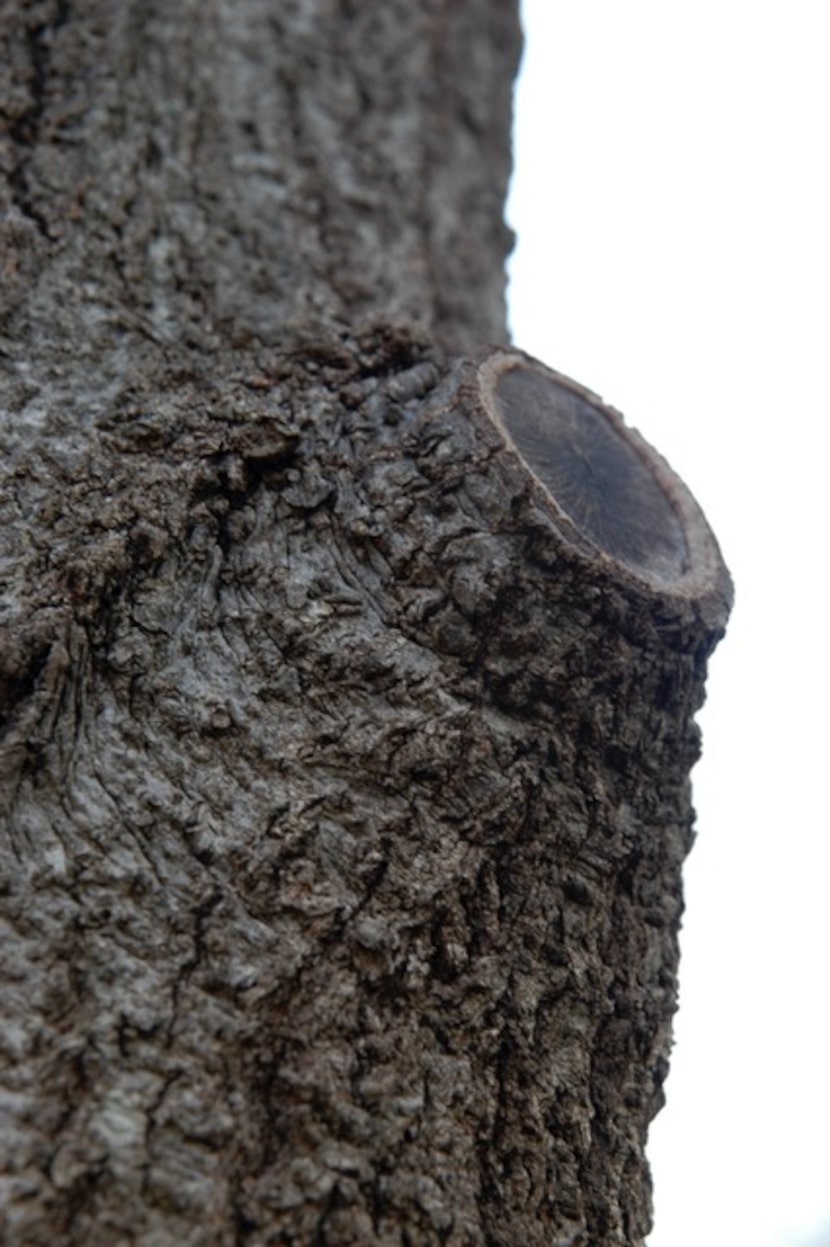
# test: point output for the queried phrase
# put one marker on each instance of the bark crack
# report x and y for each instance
(25, 129)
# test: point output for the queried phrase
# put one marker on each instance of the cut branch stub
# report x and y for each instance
(610, 494)
(349, 734)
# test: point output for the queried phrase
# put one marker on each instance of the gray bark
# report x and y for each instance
(348, 657)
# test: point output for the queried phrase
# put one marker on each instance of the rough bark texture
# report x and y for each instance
(347, 668)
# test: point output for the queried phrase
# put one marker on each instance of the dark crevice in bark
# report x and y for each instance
(24, 130)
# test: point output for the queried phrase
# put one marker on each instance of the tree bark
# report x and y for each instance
(349, 658)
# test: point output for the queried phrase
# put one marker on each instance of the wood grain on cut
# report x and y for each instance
(595, 475)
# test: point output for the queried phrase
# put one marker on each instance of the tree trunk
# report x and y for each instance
(348, 663)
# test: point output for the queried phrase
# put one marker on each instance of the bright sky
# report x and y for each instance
(672, 200)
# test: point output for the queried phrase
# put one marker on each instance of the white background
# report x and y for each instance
(672, 200)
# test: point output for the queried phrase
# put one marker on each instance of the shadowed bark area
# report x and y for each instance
(347, 668)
